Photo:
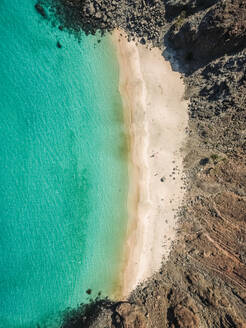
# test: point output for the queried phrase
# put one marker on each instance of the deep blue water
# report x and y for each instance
(63, 169)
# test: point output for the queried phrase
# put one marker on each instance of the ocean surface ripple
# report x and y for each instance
(63, 189)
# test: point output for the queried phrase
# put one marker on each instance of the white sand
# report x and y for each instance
(156, 116)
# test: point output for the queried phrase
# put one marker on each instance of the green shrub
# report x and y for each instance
(214, 157)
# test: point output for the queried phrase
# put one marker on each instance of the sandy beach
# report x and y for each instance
(156, 116)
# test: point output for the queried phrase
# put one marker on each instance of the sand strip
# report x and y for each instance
(156, 116)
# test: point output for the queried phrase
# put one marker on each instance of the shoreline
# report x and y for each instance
(156, 117)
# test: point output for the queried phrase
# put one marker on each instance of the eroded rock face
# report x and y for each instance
(210, 34)
(131, 316)
(185, 318)
(175, 8)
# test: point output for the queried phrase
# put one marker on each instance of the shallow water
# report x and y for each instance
(63, 170)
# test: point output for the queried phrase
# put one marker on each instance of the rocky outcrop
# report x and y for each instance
(104, 313)
(183, 8)
(212, 33)
(143, 19)
(197, 31)
(203, 284)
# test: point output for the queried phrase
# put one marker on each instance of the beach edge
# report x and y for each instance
(155, 194)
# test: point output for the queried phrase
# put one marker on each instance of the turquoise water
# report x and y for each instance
(63, 169)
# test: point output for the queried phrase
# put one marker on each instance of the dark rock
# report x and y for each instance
(175, 8)
(40, 9)
(204, 161)
(141, 19)
(142, 41)
(215, 32)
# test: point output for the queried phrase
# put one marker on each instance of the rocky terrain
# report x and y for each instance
(203, 284)
(106, 15)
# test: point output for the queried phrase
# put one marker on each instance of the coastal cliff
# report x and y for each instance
(203, 283)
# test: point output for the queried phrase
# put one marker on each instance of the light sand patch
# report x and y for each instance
(156, 116)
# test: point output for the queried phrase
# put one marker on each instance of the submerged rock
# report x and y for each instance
(40, 9)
